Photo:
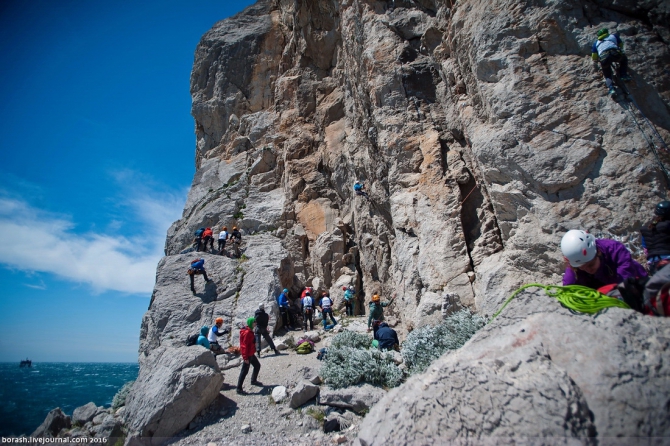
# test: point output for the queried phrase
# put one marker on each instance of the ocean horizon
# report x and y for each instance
(27, 394)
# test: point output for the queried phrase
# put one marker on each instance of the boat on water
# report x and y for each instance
(26, 363)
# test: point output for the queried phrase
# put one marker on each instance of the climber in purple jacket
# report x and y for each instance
(596, 263)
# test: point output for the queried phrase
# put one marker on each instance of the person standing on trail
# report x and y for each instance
(247, 351)
(326, 306)
(214, 333)
(282, 301)
(376, 315)
(207, 237)
(261, 331)
(307, 305)
(197, 268)
(656, 238)
(608, 49)
(595, 263)
(349, 300)
(223, 236)
(359, 189)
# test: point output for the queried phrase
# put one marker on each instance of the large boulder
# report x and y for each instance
(52, 424)
(85, 413)
(538, 370)
(173, 386)
(303, 392)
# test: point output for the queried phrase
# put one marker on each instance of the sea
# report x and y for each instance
(27, 394)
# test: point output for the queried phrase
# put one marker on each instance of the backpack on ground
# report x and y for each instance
(304, 348)
(192, 339)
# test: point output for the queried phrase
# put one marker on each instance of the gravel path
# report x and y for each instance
(228, 419)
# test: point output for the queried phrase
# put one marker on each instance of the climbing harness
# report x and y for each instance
(574, 297)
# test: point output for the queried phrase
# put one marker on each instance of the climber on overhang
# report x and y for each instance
(595, 263)
(608, 49)
(359, 188)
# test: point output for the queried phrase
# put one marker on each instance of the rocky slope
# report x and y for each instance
(483, 133)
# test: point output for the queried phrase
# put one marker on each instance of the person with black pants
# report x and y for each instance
(261, 331)
(247, 350)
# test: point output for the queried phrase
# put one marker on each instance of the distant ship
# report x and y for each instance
(26, 363)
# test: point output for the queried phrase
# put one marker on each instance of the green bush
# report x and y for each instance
(347, 366)
(351, 339)
(426, 344)
(120, 397)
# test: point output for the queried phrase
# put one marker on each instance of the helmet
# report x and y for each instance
(344, 288)
(225, 228)
(358, 182)
(578, 247)
(261, 306)
(351, 287)
(602, 33)
(219, 320)
(663, 209)
(375, 298)
(285, 290)
(324, 293)
(234, 228)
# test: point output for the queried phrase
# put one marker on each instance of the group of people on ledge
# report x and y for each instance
(205, 236)
(607, 266)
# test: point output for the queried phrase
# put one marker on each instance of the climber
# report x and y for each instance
(223, 236)
(247, 352)
(326, 306)
(214, 334)
(197, 268)
(656, 238)
(282, 301)
(236, 239)
(207, 237)
(349, 300)
(596, 262)
(386, 337)
(376, 315)
(202, 339)
(359, 188)
(197, 241)
(261, 331)
(307, 304)
(608, 49)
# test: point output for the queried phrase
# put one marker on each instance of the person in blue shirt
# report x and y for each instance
(359, 188)
(202, 339)
(283, 303)
(197, 268)
(608, 49)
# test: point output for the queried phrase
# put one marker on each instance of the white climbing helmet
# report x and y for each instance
(579, 247)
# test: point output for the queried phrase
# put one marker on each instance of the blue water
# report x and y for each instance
(27, 394)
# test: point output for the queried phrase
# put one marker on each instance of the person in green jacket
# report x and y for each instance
(376, 314)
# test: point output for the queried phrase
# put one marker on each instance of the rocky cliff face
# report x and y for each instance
(480, 128)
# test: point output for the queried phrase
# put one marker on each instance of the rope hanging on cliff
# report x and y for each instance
(574, 297)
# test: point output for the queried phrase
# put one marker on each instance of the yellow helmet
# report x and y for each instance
(234, 228)
(375, 298)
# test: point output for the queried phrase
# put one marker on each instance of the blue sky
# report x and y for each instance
(96, 157)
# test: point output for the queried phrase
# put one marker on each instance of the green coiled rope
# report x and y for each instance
(575, 297)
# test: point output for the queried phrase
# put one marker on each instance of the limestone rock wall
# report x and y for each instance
(480, 127)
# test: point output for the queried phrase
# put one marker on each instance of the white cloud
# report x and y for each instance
(119, 263)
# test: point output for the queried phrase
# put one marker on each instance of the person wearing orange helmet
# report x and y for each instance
(376, 313)
(214, 334)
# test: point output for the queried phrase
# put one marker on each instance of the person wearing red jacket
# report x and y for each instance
(248, 351)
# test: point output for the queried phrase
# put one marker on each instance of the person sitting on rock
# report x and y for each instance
(326, 306)
(213, 336)
(386, 337)
(608, 49)
(359, 189)
(247, 349)
(208, 237)
(197, 268)
(595, 262)
(223, 236)
(349, 300)
(656, 238)
(261, 331)
(202, 339)
(376, 314)
(282, 301)
(307, 304)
